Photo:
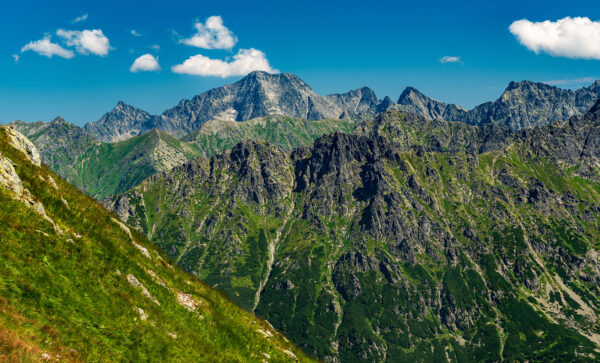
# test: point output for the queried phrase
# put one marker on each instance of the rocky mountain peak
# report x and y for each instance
(594, 112)
(58, 120)
(121, 105)
(412, 100)
(410, 92)
(266, 79)
(124, 107)
(385, 105)
(529, 88)
(122, 123)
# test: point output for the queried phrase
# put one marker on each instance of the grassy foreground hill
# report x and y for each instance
(410, 240)
(76, 284)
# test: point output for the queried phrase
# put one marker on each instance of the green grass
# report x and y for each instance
(66, 293)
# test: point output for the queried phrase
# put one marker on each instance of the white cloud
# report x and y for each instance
(560, 82)
(45, 47)
(79, 19)
(211, 35)
(16, 57)
(86, 41)
(244, 62)
(135, 33)
(568, 37)
(155, 47)
(450, 59)
(146, 63)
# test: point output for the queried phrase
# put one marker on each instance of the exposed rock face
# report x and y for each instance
(59, 142)
(260, 94)
(523, 105)
(412, 100)
(411, 239)
(355, 104)
(9, 178)
(122, 123)
(528, 104)
(386, 105)
(22, 143)
(256, 95)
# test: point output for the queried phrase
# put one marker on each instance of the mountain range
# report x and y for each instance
(102, 169)
(87, 157)
(256, 95)
(364, 230)
(522, 105)
(408, 240)
(76, 284)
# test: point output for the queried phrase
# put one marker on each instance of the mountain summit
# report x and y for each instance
(522, 105)
(414, 101)
(122, 123)
(256, 95)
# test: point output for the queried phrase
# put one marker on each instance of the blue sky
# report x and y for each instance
(335, 46)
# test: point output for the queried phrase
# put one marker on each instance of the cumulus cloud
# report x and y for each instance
(155, 47)
(79, 19)
(135, 33)
(16, 57)
(450, 59)
(569, 81)
(568, 37)
(211, 35)
(244, 62)
(46, 48)
(86, 41)
(145, 63)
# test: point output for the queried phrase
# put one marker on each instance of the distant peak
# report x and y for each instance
(526, 84)
(267, 75)
(408, 91)
(594, 85)
(258, 74)
(385, 104)
(262, 77)
(122, 104)
(58, 119)
(595, 110)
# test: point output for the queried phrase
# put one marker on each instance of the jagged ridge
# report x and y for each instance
(411, 240)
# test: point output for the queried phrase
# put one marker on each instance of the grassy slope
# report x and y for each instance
(282, 131)
(66, 294)
(108, 168)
